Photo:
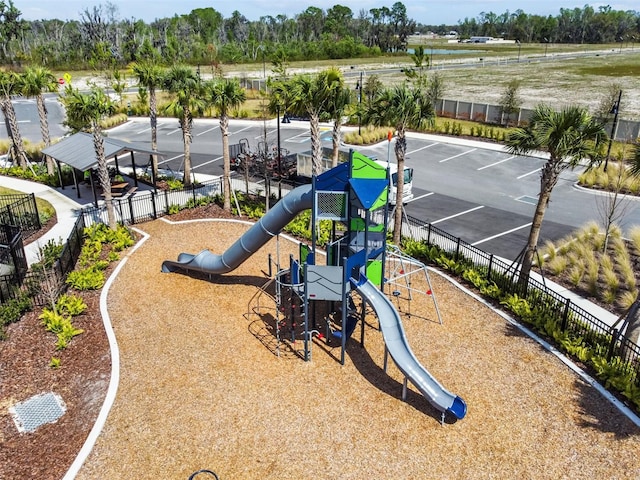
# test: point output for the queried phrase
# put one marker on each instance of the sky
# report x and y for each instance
(428, 12)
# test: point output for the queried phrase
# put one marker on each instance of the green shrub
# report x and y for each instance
(50, 252)
(12, 310)
(86, 279)
(175, 184)
(71, 305)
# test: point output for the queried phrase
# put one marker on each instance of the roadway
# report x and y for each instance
(472, 190)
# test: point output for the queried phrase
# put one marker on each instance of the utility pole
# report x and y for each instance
(359, 87)
(615, 110)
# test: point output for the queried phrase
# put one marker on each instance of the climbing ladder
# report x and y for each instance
(400, 269)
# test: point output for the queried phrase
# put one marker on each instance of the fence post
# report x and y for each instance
(429, 235)
(130, 202)
(11, 219)
(193, 191)
(457, 250)
(153, 205)
(34, 205)
(490, 267)
(565, 315)
(612, 346)
(166, 202)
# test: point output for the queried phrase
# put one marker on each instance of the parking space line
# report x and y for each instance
(241, 130)
(291, 139)
(459, 155)
(174, 131)
(497, 163)
(206, 163)
(530, 173)
(143, 130)
(458, 214)
(421, 196)
(208, 130)
(421, 148)
(261, 136)
(501, 234)
(172, 158)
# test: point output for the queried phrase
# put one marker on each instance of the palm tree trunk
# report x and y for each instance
(316, 147)
(153, 118)
(226, 174)
(44, 130)
(186, 138)
(550, 174)
(632, 333)
(335, 136)
(400, 149)
(103, 175)
(14, 133)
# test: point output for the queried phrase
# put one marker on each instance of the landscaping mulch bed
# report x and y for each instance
(202, 387)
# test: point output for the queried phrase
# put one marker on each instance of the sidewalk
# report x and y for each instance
(67, 211)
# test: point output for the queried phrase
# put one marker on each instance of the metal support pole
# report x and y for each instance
(345, 279)
(133, 166)
(279, 157)
(615, 110)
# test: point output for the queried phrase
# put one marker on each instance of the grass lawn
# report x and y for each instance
(45, 209)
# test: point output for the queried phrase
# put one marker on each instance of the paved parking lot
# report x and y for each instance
(472, 190)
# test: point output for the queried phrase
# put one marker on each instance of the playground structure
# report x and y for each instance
(356, 259)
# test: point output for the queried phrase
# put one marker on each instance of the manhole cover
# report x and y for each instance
(36, 411)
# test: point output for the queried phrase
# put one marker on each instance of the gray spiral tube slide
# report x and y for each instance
(398, 347)
(269, 225)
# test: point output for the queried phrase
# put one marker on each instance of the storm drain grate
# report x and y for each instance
(38, 410)
(528, 199)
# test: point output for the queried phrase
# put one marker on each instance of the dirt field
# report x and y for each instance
(201, 388)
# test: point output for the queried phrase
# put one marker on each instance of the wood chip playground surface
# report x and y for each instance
(200, 387)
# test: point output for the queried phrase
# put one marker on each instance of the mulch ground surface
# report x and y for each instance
(201, 386)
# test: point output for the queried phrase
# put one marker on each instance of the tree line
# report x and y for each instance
(101, 38)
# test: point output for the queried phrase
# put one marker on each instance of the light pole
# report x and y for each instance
(359, 88)
(615, 110)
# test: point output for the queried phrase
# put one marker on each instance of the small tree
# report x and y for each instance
(608, 102)
(613, 205)
(435, 90)
(510, 101)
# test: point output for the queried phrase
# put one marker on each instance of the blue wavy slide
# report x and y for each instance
(271, 224)
(398, 347)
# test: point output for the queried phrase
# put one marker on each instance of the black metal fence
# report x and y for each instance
(43, 284)
(600, 337)
(149, 205)
(20, 210)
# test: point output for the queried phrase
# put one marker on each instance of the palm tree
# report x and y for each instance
(339, 100)
(10, 85)
(150, 76)
(225, 95)
(89, 109)
(311, 96)
(35, 82)
(569, 136)
(402, 107)
(183, 82)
